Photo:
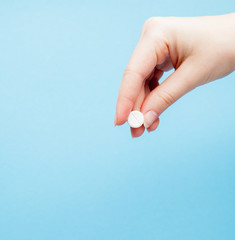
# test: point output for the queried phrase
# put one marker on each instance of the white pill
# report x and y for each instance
(135, 119)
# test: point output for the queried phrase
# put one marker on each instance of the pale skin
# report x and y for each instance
(200, 49)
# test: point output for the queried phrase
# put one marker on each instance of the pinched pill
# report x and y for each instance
(135, 119)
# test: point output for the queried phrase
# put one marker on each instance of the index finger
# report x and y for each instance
(140, 66)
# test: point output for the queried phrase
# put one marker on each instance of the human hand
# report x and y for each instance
(200, 49)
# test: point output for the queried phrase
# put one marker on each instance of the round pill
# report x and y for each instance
(135, 119)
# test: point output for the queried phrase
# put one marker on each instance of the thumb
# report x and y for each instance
(183, 80)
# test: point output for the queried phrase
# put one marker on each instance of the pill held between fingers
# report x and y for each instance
(135, 119)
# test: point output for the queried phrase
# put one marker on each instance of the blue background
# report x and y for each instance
(65, 171)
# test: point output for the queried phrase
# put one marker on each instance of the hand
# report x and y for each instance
(200, 49)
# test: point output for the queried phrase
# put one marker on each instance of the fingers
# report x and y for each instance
(142, 63)
(150, 84)
(184, 79)
(136, 132)
(154, 126)
(138, 102)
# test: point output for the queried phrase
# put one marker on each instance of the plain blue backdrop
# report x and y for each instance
(65, 172)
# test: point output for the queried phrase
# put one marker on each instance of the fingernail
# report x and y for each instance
(149, 118)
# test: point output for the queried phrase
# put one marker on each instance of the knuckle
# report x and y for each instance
(130, 72)
(166, 97)
(151, 24)
(126, 99)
